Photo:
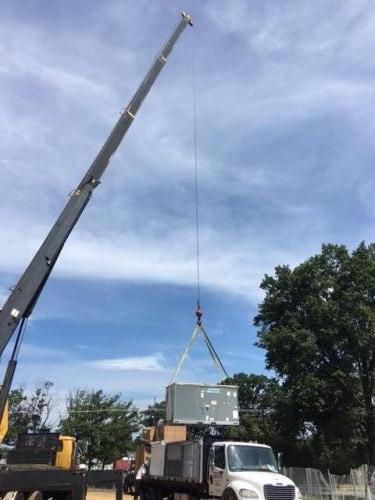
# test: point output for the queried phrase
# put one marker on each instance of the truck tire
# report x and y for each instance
(150, 493)
(229, 494)
(155, 494)
(35, 495)
(144, 493)
(14, 495)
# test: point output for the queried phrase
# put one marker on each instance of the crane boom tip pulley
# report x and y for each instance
(187, 18)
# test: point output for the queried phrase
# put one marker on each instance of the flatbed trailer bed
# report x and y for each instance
(51, 482)
(56, 483)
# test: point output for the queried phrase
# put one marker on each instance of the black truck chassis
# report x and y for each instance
(59, 484)
(155, 489)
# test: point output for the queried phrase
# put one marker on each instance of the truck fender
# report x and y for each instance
(236, 486)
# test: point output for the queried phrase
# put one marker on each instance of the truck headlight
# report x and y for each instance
(245, 493)
(298, 494)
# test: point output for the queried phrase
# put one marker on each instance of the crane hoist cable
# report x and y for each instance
(196, 189)
(198, 312)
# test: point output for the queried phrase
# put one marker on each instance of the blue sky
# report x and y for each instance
(285, 100)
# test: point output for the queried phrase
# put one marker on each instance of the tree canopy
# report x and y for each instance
(153, 413)
(317, 325)
(29, 411)
(103, 421)
(258, 398)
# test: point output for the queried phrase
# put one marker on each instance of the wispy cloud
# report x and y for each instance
(141, 226)
(144, 377)
(285, 94)
(39, 353)
(144, 363)
(226, 264)
(305, 28)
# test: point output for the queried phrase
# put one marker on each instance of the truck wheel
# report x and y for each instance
(229, 495)
(150, 494)
(144, 494)
(35, 495)
(14, 495)
(154, 494)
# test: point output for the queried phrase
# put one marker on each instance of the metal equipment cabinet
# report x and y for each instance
(202, 404)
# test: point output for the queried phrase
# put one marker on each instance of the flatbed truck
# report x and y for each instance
(230, 470)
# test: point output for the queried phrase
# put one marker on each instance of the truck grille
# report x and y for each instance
(272, 492)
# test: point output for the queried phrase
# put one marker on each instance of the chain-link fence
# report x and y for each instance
(314, 485)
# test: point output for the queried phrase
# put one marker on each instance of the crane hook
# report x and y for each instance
(199, 314)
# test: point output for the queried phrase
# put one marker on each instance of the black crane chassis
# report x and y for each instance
(59, 484)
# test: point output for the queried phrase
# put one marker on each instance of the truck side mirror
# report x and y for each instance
(279, 460)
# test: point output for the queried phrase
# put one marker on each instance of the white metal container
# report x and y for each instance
(183, 461)
(157, 459)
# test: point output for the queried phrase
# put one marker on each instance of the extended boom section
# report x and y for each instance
(24, 295)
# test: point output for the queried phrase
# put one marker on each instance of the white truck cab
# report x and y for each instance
(238, 470)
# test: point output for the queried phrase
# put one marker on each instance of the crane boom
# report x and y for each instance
(25, 294)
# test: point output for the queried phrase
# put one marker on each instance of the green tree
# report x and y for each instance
(317, 324)
(29, 412)
(103, 421)
(258, 398)
(153, 414)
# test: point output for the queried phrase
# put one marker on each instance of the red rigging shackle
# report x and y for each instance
(199, 314)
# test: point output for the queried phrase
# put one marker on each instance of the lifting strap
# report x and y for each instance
(214, 355)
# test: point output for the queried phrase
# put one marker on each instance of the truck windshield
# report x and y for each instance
(251, 458)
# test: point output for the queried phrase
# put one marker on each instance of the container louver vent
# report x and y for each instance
(272, 492)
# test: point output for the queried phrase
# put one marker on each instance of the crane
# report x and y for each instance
(24, 295)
